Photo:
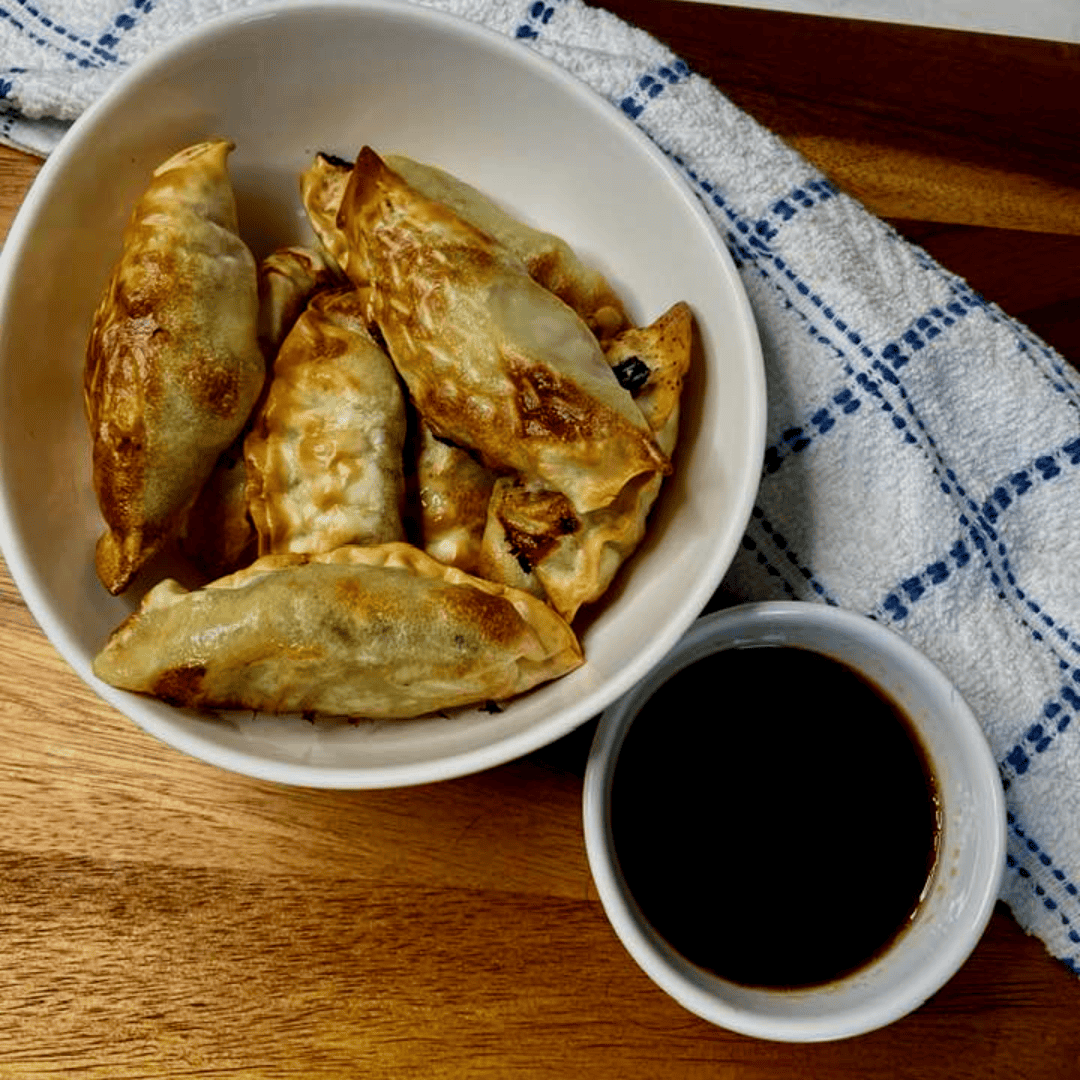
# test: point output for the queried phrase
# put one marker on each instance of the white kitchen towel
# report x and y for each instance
(923, 460)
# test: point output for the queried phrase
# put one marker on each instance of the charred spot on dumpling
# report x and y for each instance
(533, 522)
(550, 405)
(526, 546)
(632, 373)
(180, 685)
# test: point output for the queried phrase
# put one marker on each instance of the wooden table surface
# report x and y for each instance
(161, 918)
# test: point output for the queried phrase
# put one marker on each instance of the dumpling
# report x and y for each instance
(534, 540)
(324, 456)
(287, 279)
(322, 185)
(453, 490)
(173, 365)
(522, 525)
(493, 361)
(652, 362)
(218, 537)
(363, 632)
(549, 260)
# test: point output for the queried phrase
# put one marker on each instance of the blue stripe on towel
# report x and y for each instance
(1041, 735)
(1005, 496)
(1027, 344)
(29, 34)
(110, 35)
(61, 38)
(1065, 905)
(538, 14)
(804, 196)
(751, 545)
(651, 85)
(759, 522)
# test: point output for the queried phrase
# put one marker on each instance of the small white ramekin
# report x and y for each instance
(971, 849)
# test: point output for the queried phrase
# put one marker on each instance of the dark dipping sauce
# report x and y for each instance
(774, 816)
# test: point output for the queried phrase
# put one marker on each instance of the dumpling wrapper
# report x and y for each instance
(361, 632)
(288, 278)
(534, 541)
(453, 490)
(324, 455)
(522, 525)
(549, 260)
(652, 362)
(218, 537)
(173, 366)
(322, 184)
(493, 361)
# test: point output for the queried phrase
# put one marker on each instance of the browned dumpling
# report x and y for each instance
(324, 456)
(218, 537)
(533, 538)
(652, 362)
(549, 260)
(322, 185)
(173, 366)
(522, 525)
(494, 362)
(363, 632)
(453, 491)
(288, 278)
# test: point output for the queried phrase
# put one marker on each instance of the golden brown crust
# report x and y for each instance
(530, 544)
(324, 456)
(172, 363)
(383, 631)
(493, 361)
(453, 490)
(322, 184)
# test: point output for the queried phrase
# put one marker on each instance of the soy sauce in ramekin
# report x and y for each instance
(774, 816)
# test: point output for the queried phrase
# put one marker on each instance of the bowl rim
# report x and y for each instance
(727, 629)
(515, 744)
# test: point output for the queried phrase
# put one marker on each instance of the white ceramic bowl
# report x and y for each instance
(964, 884)
(284, 81)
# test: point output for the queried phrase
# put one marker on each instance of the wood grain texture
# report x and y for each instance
(17, 172)
(160, 918)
